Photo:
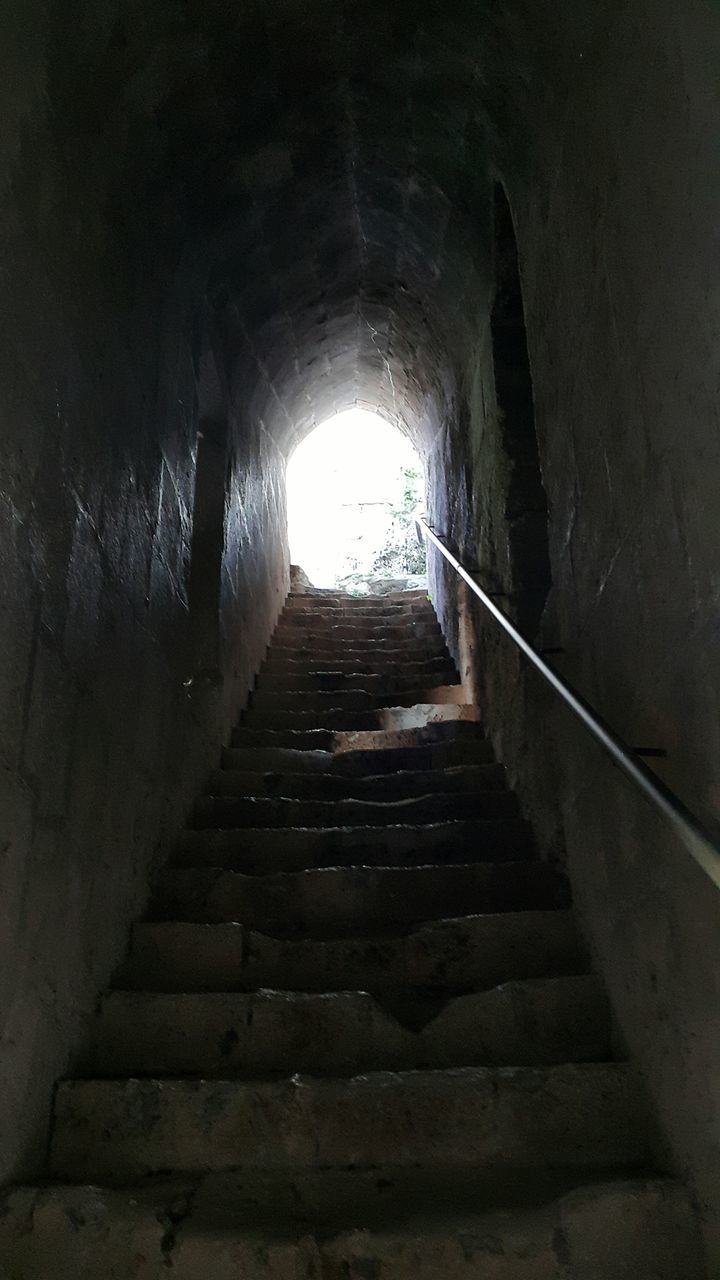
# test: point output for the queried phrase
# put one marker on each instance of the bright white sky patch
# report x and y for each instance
(344, 481)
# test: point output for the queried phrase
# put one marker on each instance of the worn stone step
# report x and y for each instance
(358, 607)
(367, 600)
(446, 727)
(401, 785)
(357, 764)
(640, 1228)
(268, 1031)
(417, 644)
(344, 598)
(368, 636)
(321, 700)
(345, 682)
(411, 715)
(451, 708)
(424, 661)
(378, 666)
(449, 957)
(228, 812)
(318, 699)
(209, 1034)
(397, 622)
(267, 850)
(312, 740)
(425, 640)
(392, 616)
(574, 1115)
(391, 613)
(624, 1229)
(354, 900)
(324, 650)
(315, 700)
(415, 623)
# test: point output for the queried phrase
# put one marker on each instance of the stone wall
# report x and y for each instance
(106, 732)
(613, 181)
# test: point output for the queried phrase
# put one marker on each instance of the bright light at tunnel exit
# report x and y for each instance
(353, 485)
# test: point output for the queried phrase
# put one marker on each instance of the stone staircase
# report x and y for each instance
(356, 1037)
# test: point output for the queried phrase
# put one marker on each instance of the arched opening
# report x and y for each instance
(353, 487)
(526, 511)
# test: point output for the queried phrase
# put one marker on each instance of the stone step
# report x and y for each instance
(531, 1023)
(267, 850)
(449, 957)
(322, 649)
(579, 1115)
(378, 666)
(387, 612)
(351, 640)
(318, 700)
(642, 1229)
(419, 622)
(424, 660)
(357, 634)
(413, 715)
(348, 901)
(361, 604)
(358, 608)
(329, 596)
(447, 726)
(322, 700)
(334, 786)
(365, 637)
(280, 683)
(358, 764)
(229, 812)
(395, 619)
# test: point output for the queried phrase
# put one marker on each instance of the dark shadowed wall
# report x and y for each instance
(108, 723)
(614, 190)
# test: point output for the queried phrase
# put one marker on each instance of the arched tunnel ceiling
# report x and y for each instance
(333, 168)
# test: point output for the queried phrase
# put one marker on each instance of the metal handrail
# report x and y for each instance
(694, 835)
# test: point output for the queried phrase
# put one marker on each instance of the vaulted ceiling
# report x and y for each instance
(331, 178)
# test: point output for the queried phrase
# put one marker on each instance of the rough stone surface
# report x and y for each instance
(614, 176)
(632, 1230)
(438, 756)
(461, 954)
(401, 785)
(108, 721)
(575, 1115)
(270, 849)
(541, 1020)
(260, 811)
(339, 900)
(293, 1063)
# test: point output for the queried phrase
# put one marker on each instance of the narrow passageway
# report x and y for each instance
(328, 943)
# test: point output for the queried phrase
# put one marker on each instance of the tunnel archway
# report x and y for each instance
(354, 483)
(335, 211)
